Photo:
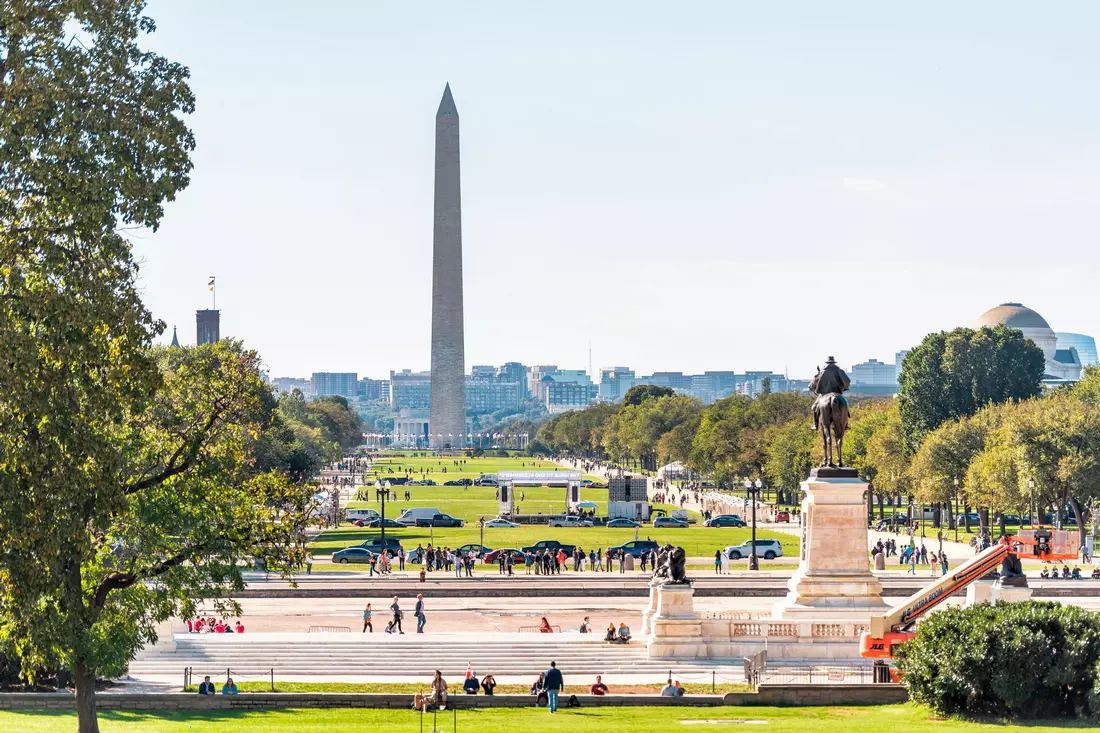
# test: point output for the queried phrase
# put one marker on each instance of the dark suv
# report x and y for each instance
(635, 547)
(393, 546)
(440, 520)
(725, 520)
(552, 545)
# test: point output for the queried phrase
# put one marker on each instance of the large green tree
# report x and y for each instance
(126, 486)
(953, 375)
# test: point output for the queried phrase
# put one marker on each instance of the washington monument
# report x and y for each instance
(447, 420)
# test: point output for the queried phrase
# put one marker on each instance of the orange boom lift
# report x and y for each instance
(896, 626)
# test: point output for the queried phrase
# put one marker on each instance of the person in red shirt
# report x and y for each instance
(240, 628)
(599, 689)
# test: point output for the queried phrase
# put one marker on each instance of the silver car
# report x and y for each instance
(767, 549)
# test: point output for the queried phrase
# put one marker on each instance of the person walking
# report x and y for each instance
(913, 562)
(396, 608)
(421, 619)
(367, 620)
(554, 683)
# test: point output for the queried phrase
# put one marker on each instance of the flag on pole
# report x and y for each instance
(211, 283)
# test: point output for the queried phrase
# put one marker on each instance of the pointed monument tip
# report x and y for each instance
(447, 104)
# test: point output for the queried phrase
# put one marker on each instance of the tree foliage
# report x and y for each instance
(1023, 660)
(639, 393)
(953, 375)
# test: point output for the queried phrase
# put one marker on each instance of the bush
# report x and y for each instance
(1028, 659)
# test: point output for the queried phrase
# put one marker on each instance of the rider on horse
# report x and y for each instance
(832, 380)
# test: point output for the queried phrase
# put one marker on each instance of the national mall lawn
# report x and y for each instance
(840, 719)
(473, 502)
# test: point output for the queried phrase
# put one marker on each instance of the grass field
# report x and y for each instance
(433, 467)
(887, 719)
(474, 502)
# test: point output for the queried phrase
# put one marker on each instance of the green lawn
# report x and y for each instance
(697, 541)
(386, 467)
(887, 719)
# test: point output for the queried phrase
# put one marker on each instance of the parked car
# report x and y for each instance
(393, 546)
(458, 482)
(767, 549)
(500, 523)
(621, 522)
(486, 480)
(352, 554)
(359, 515)
(783, 516)
(377, 522)
(635, 547)
(669, 522)
(569, 521)
(422, 482)
(494, 556)
(440, 520)
(725, 520)
(552, 545)
(409, 516)
(479, 550)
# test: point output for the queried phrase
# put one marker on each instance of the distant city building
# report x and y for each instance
(615, 382)
(384, 390)
(874, 373)
(673, 380)
(1085, 345)
(208, 327)
(566, 396)
(175, 339)
(484, 395)
(535, 375)
(410, 390)
(483, 373)
(513, 371)
(1063, 362)
(759, 383)
(343, 384)
(371, 389)
(289, 384)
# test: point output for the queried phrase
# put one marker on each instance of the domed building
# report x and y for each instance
(1062, 364)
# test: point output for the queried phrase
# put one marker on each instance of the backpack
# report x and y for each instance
(573, 702)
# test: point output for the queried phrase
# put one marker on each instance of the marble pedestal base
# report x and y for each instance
(1002, 592)
(675, 631)
(833, 580)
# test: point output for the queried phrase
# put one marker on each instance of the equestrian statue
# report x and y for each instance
(831, 410)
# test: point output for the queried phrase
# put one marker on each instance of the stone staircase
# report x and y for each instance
(334, 655)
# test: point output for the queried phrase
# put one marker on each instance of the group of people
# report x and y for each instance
(1068, 574)
(206, 687)
(394, 625)
(214, 626)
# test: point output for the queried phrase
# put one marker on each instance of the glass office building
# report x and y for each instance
(1085, 345)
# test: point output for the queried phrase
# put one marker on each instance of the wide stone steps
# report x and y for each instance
(335, 654)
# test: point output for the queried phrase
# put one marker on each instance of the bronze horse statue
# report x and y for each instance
(830, 410)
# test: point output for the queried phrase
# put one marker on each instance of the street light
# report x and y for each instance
(752, 490)
(956, 479)
(1031, 501)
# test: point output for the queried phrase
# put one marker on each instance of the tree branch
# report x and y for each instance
(121, 581)
(179, 462)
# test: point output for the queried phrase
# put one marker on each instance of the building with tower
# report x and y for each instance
(1063, 360)
(208, 327)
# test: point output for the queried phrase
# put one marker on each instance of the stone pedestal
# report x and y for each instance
(980, 591)
(647, 614)
(675, 631)
(832, 580)
(1002, 591)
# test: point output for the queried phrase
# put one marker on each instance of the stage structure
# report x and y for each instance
(508, 480)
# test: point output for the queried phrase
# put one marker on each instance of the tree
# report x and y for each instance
(789, 455)
(641, 426)
(639, 393)
(953, 375)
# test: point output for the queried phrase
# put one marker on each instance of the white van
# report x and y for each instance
(354, 515)
(409, 516)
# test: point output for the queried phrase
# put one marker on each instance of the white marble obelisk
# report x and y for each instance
(447, 419)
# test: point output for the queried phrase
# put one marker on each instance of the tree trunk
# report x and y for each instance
(1076, 507)
(87, 721)
(966, 517)
(881, 508)
(951, 518)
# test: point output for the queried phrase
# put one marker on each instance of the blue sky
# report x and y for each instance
(684, 185)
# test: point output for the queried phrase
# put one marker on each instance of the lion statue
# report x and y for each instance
(677, 559)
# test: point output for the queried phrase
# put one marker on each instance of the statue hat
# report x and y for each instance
(830, 360)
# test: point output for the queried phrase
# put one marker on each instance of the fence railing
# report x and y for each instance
(538, 629)
(825, 674)
(237, 675)
(329, 629)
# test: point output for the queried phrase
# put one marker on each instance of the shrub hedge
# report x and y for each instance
(1028, 659)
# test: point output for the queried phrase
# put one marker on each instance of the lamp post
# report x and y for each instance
(752, 490)
(956, 480)
(1031, 501)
